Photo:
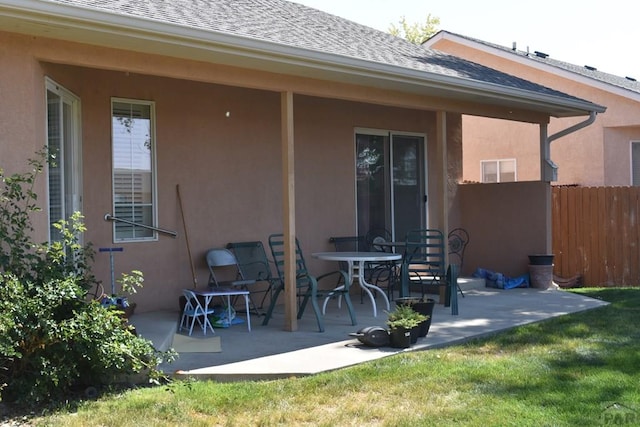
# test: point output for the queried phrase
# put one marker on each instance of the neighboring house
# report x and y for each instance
(607, 153)
(269, 116)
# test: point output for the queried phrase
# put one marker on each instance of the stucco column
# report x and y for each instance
(288, 211)
(442, 195)
(545, 154)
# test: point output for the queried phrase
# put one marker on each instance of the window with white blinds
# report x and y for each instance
(635, 163)
(133, 169)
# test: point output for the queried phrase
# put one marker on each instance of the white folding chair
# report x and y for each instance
(195, 311)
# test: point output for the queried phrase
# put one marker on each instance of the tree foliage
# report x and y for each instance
(416, 33)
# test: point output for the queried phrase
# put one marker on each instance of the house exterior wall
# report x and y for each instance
(593, 156)
(22, 117)
(228, 168)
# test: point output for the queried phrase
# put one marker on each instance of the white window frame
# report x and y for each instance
(153, 185)
(498, 162)
(68, 158)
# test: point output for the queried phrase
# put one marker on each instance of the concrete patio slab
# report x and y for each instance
(269, 352)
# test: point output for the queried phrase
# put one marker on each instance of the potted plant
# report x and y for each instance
(422, 306)
(129, 284)
(401, 322)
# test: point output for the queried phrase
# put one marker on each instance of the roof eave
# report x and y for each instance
(70, 21)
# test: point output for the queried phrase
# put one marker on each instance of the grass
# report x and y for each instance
(567, 371)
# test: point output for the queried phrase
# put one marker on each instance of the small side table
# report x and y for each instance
(210, 293)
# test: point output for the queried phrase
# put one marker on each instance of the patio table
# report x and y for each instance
(210, 293)
(355, 262)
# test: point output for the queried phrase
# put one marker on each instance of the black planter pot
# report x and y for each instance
(541, 259)
(400, 338)
(415, 334)
(426, 308)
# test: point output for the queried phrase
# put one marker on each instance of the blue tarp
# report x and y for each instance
(500, 281)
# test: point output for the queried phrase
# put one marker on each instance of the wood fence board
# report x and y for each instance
(623, 245)
(555, 237)
(596, 233)
(564, 223)
(585, 258)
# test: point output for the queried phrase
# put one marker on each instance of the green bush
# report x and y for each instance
(53, 339)
(404, 316)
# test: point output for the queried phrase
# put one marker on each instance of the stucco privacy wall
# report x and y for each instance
(504, 224)
(228, 169)
(586, 157)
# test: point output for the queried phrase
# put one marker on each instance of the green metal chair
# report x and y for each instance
(384, 274)
(458, 241)
(254, 265)
(423, 261)
(306, 284)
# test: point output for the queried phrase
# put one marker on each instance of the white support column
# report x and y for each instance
(288, 211)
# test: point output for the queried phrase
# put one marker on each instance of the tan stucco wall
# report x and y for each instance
(228, 168)
(505, 225)
(22, 122)
(592, 156)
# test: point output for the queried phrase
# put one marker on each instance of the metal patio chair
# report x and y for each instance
(423, 264)
(379, 274)
(224, 272)
(384, 274)
(423, 261)
(458, 241)
(195, 311)
(306, 284)
(348, 244)
(254, 265)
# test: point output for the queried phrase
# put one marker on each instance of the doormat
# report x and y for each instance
(187, 344)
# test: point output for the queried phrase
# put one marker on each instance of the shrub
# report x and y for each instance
(404, 317)
(53, 339)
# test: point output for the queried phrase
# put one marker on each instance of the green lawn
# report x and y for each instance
(576, 370)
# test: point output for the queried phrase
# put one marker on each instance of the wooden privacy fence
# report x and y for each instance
(596, 233)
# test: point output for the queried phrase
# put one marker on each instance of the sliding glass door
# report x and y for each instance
(390, 187)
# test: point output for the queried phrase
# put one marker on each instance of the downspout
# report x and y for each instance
(548, 169)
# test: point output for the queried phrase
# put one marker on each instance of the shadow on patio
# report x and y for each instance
(269, 352)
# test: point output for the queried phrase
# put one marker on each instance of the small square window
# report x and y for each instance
(498, 170)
